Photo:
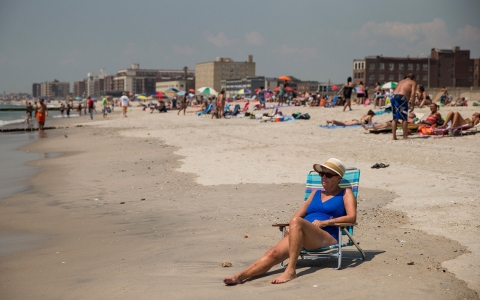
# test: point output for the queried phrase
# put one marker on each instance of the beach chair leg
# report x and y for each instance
(355, 243)
(339, 265)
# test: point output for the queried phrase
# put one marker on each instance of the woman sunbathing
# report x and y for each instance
(388, 124)
(457, 120)
(367, 119)
(434, 118)
(310, 226)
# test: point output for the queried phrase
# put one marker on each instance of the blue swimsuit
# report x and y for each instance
(332, 208)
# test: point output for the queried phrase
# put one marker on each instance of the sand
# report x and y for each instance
(198, 192)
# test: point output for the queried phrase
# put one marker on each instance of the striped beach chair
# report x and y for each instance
(350, 179)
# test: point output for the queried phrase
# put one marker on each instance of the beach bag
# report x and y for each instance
(296, 115)
(304, 117)
(426, 130)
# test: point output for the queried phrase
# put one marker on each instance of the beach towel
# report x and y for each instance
(336, 126)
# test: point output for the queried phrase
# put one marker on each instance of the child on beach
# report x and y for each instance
(27, 120)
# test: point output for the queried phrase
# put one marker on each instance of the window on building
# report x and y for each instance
(381, 77)
(418, 67)
(425, 66)
(391, 77)
(400, 76)
(424, 78)
(410, 67)
(469, 78)
(400, 66)
(382, 66)
(371, 78)
(476, 67)
(363, 65)
(470, 68)
(371, 66)
(391, 66)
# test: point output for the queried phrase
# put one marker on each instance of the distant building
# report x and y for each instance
(213, 72)
(143, 81)
(162, 86)
(79, 88)
(90, 82)
(444, 67)
(308, 86)
(476, 72)
(36, 90)
(54, 89)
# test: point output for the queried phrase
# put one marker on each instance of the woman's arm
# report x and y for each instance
(341, 90)
(302, 211)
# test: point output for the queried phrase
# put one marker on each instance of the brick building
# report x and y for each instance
(79, 88)
(444, 67)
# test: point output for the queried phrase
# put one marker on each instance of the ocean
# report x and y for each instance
(14, 173)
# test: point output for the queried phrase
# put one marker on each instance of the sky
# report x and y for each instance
(311, 40)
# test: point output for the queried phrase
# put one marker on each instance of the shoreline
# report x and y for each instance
(174, 167)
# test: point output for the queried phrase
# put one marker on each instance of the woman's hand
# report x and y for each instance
(319, 224)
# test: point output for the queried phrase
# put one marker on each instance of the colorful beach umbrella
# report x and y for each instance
(244, 91)
(285, 78)
(181, 93)
(389, 85)
(141, 97)
(161, 95)
(78, 98)
(191, 90)
(207, 90)
(173, 89)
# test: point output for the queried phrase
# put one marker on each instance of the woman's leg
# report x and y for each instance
(350, 123)
(302, 234)
(458, 120)
(347, 103)
(272, 257)
(447, 119)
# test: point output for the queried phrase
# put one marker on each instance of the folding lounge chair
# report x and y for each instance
(245, 108)
(345, 230)
(456, 131)
(333, 103)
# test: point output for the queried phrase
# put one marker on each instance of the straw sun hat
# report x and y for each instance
(333, 164)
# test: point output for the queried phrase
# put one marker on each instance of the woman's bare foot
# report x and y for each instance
(285, 277)
(231, 280)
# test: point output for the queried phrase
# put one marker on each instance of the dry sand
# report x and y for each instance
(198, 192)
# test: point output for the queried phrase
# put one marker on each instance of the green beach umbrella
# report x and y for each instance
(389, 85)
(207, 90)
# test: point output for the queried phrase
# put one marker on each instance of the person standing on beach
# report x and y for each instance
(183, 104)
(124, 104)
(404, 92)
(347, 89)
(105, 107)
(90, 107)
(41, 112)
(29, 108)
(261, 96)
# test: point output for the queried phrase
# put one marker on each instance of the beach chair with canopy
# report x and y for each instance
(345, 230)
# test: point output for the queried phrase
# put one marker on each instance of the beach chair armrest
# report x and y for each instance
(280, 225)
(344, 224)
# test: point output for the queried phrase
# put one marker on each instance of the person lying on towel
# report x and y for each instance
(310, 226)
(388, 125)
(365, 120)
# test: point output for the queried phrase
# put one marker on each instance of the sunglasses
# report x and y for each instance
(328, 175)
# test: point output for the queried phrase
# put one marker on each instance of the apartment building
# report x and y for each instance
(54, 89)
(79, 88)
(90, 81)
(143, 81)
(213, 72)
(443, 67)
(36, 90)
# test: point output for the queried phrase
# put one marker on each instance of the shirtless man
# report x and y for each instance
(404, 92)
(41, 112)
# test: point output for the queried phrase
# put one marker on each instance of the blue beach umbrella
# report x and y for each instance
(173, 89)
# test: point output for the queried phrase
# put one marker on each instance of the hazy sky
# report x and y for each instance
(43, 40)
